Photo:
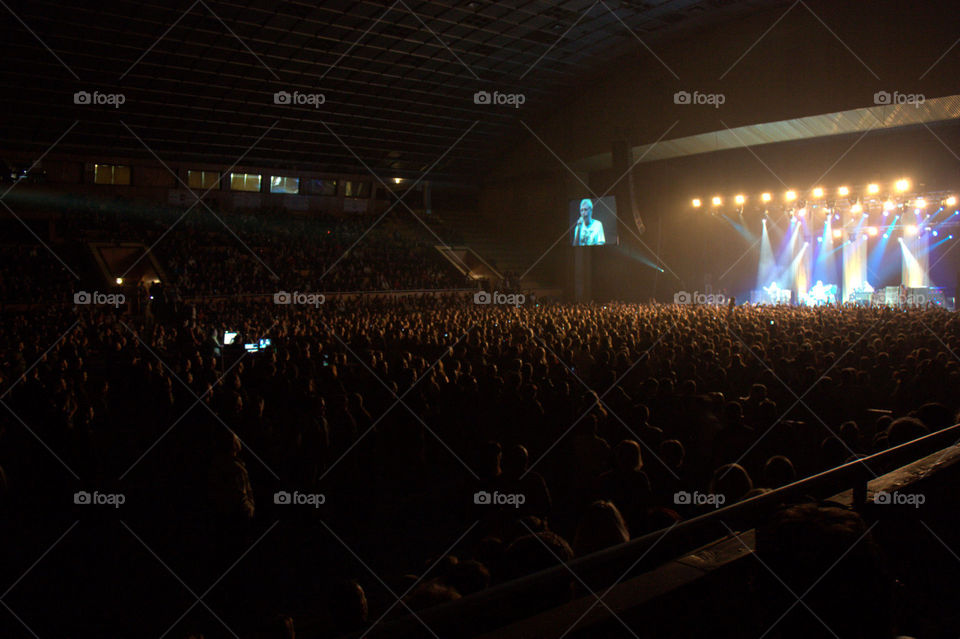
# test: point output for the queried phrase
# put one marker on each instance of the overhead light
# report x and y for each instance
(766, 197)
(717, 200)
(119, 281)
(739, 199)
(911, 229)
(856, 208)
(902, 185)
(397, 180)
(951, 201)
(790, 196)
(921, 203)
(873, 189)
(888, 205)
(843, 191)
(696, 202)
(818, 192)
(872, 231)
(837, 233)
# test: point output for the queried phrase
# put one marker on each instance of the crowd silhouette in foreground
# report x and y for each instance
(397, 435)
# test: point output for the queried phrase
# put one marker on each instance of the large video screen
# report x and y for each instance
(593, 222)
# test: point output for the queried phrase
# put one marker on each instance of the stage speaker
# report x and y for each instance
(623, 191)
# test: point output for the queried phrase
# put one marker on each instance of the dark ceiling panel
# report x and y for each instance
(398, 77)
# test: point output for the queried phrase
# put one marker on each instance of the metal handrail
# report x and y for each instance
(523, 597)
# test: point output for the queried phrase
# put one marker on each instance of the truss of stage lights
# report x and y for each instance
(934, 210)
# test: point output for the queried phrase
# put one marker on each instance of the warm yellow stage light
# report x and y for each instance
(818, 192)
(888, 205)
(119, 280)
(902, 185)
(921, 203)
(873, 189)
(696, 202)
(766, 197)
(837, 233)
(740, 199)
(790, 196)
(871, 231)
(843, 191)
(951, 201)
(716, 200)
(911, 229)
(856, 208)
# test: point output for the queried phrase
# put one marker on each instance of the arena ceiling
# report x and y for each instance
(200, 80)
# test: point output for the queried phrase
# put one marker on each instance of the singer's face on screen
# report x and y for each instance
(586, 211)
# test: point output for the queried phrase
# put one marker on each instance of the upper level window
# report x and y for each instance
(245, 182)
(202, 179)
(111, 174)
(320, 186)
(280, 184)
(352, 188)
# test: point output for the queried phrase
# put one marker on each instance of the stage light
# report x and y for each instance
(717, 201)
(802, 211)
(397, 180)
(739, 199)
(843, 191)
(696, 203)
(856, 208)
(837, 234)
(119, 280)
(902, 185)
(873, 189)
(872, 231)
(935, 234)
(921, 203)
(790, 196)
(819, 238)
(951, 201)
(911, 229)
(818, 192)
(888, 205)
(765, 197)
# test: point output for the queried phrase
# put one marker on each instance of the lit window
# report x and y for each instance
(202, 179)
(245, 182)
(111, 174)
(356, 189)
(280, 184)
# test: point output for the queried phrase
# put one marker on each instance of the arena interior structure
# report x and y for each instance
(479, 319)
